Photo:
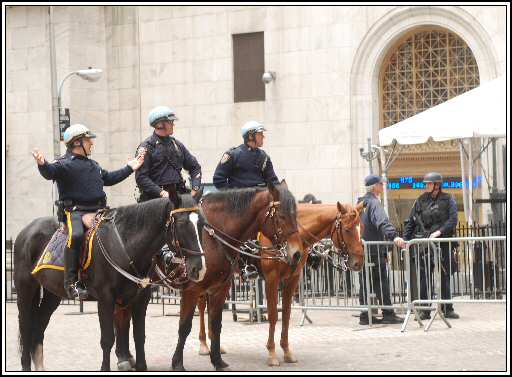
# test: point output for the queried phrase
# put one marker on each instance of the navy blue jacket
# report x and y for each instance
(81, 179)
(164, 159)
(244, 167)
(377, 226)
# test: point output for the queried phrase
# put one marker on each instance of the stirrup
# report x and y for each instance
(74, 291)
(250, 272)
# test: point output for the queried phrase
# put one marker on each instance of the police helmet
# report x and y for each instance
(251, 127)
(161, 113)
(433, 177)
(75, 132)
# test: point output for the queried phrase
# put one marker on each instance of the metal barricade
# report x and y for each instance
(473, 269)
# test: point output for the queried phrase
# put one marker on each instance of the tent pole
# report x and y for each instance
(470, 197)
(384, 175)
(463, 177)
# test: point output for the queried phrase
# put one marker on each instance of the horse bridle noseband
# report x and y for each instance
(171, 223)
(277, 240)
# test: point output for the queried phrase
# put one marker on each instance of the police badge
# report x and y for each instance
(225, 158)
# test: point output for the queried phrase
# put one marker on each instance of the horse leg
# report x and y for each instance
(106, 317)
(139, 328)
(187, 307)
(288, 292)
(122, 330)
(27, 300)
(201, 306)
(49, 303)
(271, 288)
(215, 305)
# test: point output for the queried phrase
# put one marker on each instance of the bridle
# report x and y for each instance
(171, 226)
(277, 236)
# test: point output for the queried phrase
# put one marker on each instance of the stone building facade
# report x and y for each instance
(319, 111)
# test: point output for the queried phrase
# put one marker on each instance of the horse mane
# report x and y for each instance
(142, 215)
(235, 200)
(238, 200)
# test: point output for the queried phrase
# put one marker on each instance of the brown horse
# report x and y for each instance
(231, 218)
(341, 223)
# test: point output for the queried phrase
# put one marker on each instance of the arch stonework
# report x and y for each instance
(364, 75)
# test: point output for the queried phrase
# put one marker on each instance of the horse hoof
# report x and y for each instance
(290, 359)
(273, 362)
(124, 366)
(222, 369)
(221, 366)
(178, 368)
(222, 350)
(141, 367)
(203, 350)
(131, 359)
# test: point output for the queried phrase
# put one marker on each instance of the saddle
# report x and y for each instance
(52, 256)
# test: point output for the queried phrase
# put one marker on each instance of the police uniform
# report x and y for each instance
(80, 182)
(427, 216)
(377, 227)
(243, 166)
(164, 159)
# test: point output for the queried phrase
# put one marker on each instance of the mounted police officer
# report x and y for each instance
(80, 182)
(165, 158)
(246, 165)
(434, 214)
(377, 227)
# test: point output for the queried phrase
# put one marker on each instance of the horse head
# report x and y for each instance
(183, 233)
(346, 234)
(280, 223)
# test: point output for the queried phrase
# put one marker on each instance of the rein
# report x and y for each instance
(144, 282)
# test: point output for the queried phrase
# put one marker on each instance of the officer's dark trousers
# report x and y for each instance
(427, 268)
(379, 282)
(74, 246)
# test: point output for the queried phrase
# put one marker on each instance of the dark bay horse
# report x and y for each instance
(129, 237)
(340, 223)
(228, 216)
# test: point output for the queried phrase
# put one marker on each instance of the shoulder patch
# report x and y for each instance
(141, 149)
(225, 158)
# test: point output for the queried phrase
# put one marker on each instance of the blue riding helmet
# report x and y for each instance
(161, 113)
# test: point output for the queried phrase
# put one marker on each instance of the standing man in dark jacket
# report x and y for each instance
(434, 215)
(246, 165)
(165, 158)
(80, 182)
(377, 228)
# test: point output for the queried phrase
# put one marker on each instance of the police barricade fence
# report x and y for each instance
(445, 271)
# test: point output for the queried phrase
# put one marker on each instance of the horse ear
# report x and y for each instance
(273, 191)
(175, 199)
(284, 184)
(360, 206)
(341, 208)
(198, 195)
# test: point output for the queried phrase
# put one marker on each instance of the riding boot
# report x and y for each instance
(73, 290)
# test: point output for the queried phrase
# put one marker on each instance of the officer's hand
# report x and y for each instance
(137, 162)
(436, 234)
(193, 192)
(399, 242)
(164, 194)
(38, 156)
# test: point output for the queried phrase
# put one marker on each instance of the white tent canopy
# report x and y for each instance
(480, 112)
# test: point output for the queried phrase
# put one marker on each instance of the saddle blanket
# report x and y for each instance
(52, 256)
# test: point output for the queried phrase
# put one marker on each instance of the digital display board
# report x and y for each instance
(416, 183)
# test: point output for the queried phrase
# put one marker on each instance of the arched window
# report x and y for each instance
(425, 68)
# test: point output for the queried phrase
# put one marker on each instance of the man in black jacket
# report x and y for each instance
(434, 215)
(377, 228)
(80, 182)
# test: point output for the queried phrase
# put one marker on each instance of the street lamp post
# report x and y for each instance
(370, 155)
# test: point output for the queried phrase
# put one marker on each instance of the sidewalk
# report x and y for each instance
(334, 342)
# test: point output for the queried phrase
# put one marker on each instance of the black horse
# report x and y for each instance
(130, 238)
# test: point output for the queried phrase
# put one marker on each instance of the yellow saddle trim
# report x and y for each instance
(50, 266)
(91, 238)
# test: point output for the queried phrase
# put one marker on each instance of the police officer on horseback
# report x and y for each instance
(80, 182)
(165, 158)
(246, 165)
(434, 214)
